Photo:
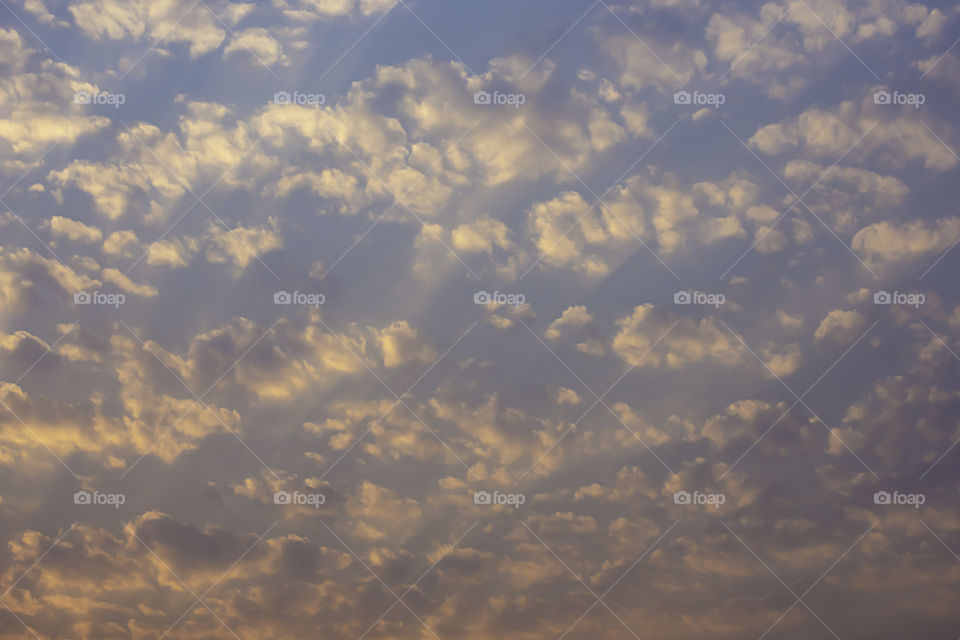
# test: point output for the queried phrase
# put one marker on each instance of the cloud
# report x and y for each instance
(783, 361)
(492, 238)
(660, 63)
(315, 9)
(258, 44)
(241, 245)
(687, 342)
(398, 166)
(127, 285)
(176, 252)
(74, 230)
(840, 326)
(563, 395)
(570, 234)
(828, 134)
(890, 244)
(37, 107)
(571, 319)
(26, 278)
(167, 21)
(332, 184)
(122, 244)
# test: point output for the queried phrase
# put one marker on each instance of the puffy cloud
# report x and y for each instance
(36, 102)
(563, 395)
(287, 362)
(74, 230)
(315, 9)
(122, 244)
(169, 21)
(492, 238)
(27, 277)
(400, 344)
(257, 42)
(241, 245)
(688, 342)
(890, 244)
(152, 168)
(571, 319)
(113, 189)
(332, 184)
(39, 10)
(744, 422)
(920, 398)
(122, 281)
(788, 321)
(482, 236)
(840, 326)
(299, 385)
(779, 46)
(175, 252)
(659, 63)
(783, 362)
(569, 233)
(827, 135)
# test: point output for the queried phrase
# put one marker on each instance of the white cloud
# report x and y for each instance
(129, 286)
(166, 21)
(841, 327)
(256, 42)
(688, 342)
(827, 135)
(889, 244)
(241, 245)
(571, 319)
(74, 230)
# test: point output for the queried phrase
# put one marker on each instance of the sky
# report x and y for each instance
(420, 319)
